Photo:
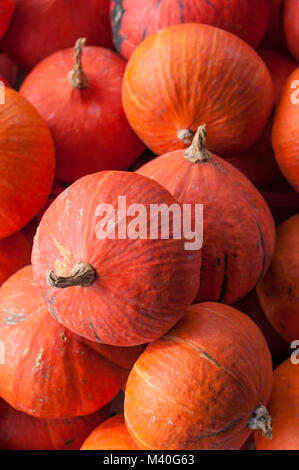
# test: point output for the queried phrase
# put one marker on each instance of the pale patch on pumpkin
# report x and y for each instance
(38, 360)
(65, 253)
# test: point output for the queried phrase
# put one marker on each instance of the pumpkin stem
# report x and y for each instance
(197, 152)
(260, 419)
(77, 76)
(186, 136)
(81, 275)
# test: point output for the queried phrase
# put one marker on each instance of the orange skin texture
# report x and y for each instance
(134, 20)
(15, 253)
(165, 90)
(278, 291)
(84, 145)
(238, 229)
(27, 163)
(6, 12)
(142, 286)
(291, 27)
(201, 383)
(283, 407)
(285, 132)
(110, 435)
(41, 27)
(19, 431)
(60, 376)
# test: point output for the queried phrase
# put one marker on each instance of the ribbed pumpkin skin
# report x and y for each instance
(283, 408)
(291, 26)
(278, 291)
(165, 90)
(110, 435)
(83, 144)
(142, 286)
(238, 229)
(15, 253)
(40, 27)
(60, 376)
(6, 11)
(285, 132)
(134, 20)
(27, 162)
(19, 431)
(201, 383)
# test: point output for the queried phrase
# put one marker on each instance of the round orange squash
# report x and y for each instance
(15, 253)
(283, 407)
(27, 163)
(278, 291)
(191, 74)
(110, 435)
(204, 385)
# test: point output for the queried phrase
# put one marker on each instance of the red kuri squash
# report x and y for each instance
(283, 407)
(27, 162)
(6, 12)
(238, 229)
(285, 130)
(19, 431)
(110, 435)
(134, 20)
(170, 89)
(84, 111)
(39, 28)
(121, 287)
(60, 377)
(204, 385)
(291, 26)
(278, 291)
(15, 253)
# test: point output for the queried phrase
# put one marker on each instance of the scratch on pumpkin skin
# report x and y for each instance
(61, 266)
(224, 282)
(38, 360)
(216, 433)
(14, 319)
(94, 332)
(263, 249)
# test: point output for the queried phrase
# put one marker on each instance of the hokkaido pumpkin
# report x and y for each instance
(27, 162)
(204, 385)
(6, 12)
(15, 253)
(134, 20)
(275, 37)
(167, 93)
(238, 229)
(285, 131)
(40, 28)
(19, 431)
(83, 110)
(110, 435)
(60, 377)
(291, 26)
(278, 291)
(121, 287)
(283, 406)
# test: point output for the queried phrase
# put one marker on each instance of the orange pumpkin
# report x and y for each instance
(285, 131)
(15, 252)
(204, 385)
(283, 407)
(238, 229)
(27, 163)
(110, 435)
(291, 26)
(170, 88)
(278, 291)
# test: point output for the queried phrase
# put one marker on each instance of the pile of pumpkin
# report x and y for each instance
(186, 339)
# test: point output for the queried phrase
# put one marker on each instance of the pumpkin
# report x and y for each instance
(239, 231)
(167, 94)
(41, 28)
(121, 287)
(283, 407)
(278, 291)
(110, 435)
(83, 110)
(275, 37)
(285, 131)
(60, 376)
(27, 162)
(134, 20)
(6, 12)
(202, 386)
(8, 69)
(291, 26)
(15, 253)
(19, 431)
